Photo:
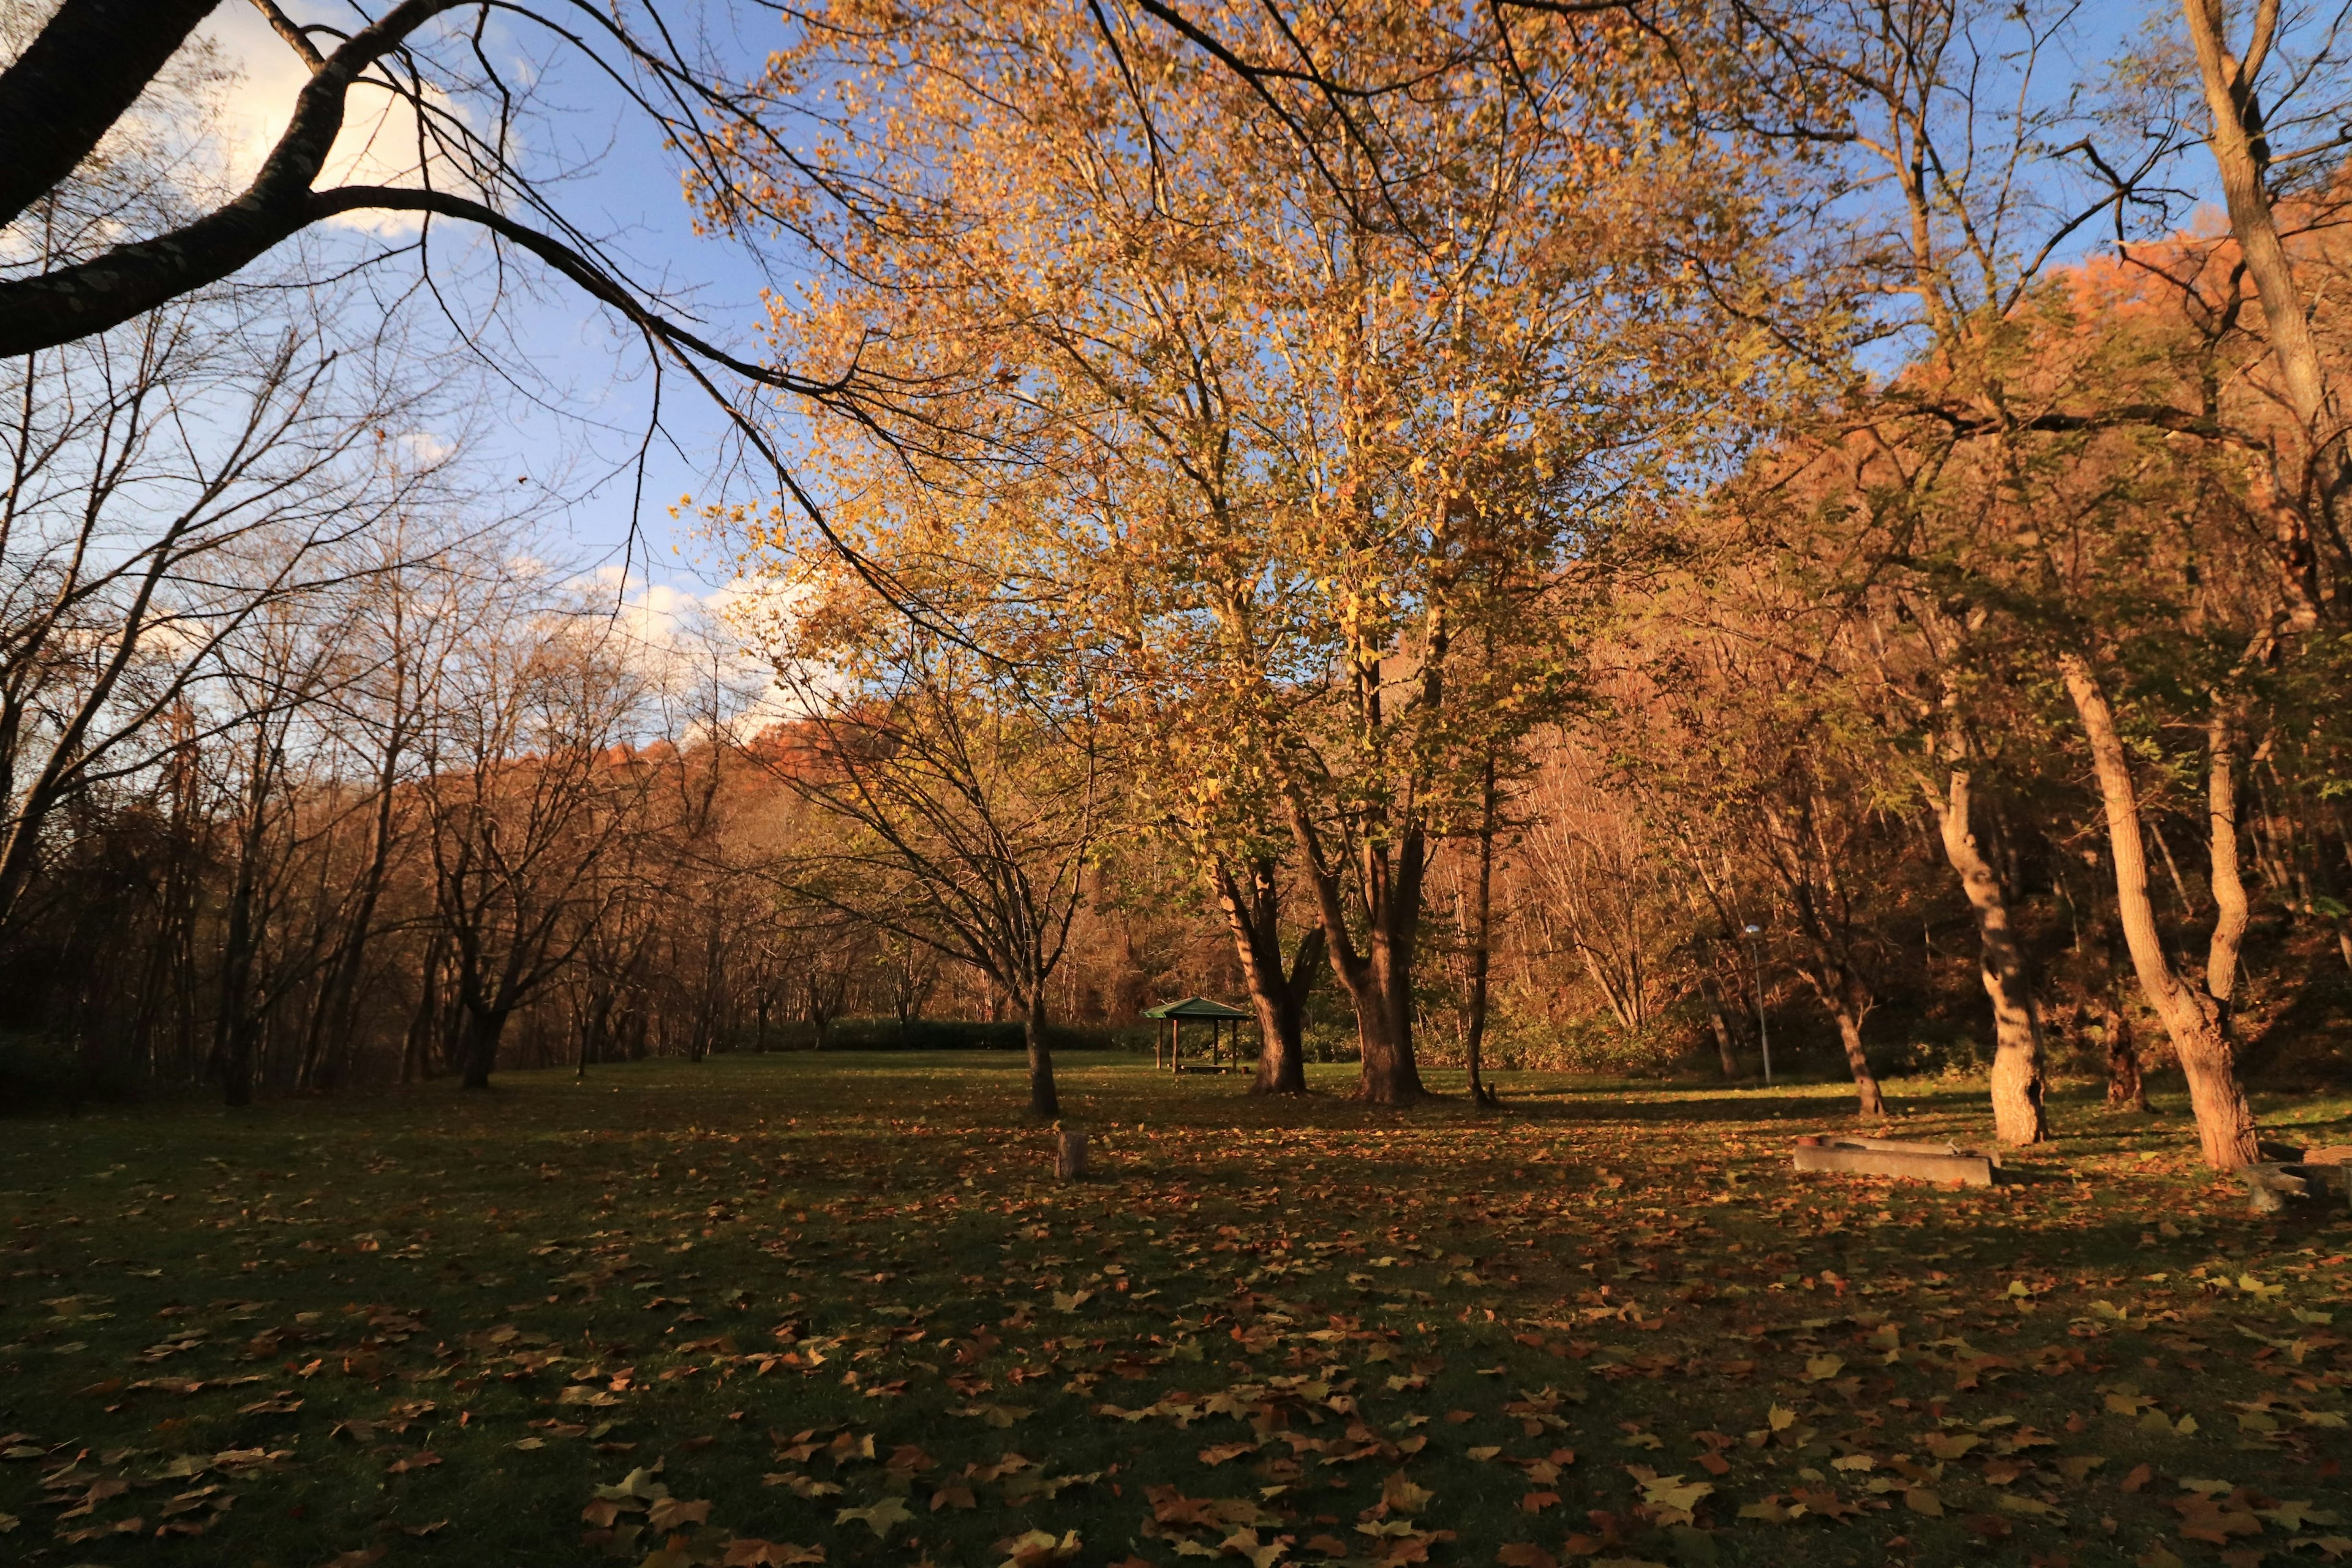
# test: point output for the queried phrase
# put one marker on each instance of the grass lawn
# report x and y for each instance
(799, 1308)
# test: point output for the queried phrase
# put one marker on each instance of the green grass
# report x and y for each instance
(432, 1326)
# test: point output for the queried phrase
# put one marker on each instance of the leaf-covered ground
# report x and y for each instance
(801, 1309)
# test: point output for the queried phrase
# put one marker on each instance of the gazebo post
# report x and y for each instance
(1197, 1008)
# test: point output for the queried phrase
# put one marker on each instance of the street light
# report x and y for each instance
(1763, 1034)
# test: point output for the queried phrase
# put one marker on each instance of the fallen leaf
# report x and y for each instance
(881, 1518)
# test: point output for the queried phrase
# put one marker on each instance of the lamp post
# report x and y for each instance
(1763, 1034)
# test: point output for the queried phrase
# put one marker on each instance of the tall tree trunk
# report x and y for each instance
(414, 1061)
(1277, 991)
(2232, 911)
(2225, 1122)
(1043, 1100)
(232, 1031)
(2239, 146)
(1482, 942)
(2017, 1114)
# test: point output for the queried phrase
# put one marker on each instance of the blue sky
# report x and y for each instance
(565, 394)
(575, 409)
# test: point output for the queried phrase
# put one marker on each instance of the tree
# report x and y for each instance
(164, 487)
(953, 808)
(531, 794)
(1332, 485)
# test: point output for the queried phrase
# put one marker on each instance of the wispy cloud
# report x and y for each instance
(379, 144)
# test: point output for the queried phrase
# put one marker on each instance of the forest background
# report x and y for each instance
(1548, 534)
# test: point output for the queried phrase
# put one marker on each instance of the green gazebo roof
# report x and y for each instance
(1195, 1007)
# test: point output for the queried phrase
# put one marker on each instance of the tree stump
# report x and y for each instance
(1070, 1156)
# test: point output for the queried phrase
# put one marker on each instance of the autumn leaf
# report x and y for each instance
(746, 1552)
(881, 1518)
(1038, 1549)
(1772, 1511)
(1402, 1495)
(667, 1513)
(999, 1416)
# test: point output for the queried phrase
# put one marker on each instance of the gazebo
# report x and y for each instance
(1167, 1047)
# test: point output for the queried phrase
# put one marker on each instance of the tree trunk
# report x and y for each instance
(2017, 1114)
(2241, 156)
(2126, 1090)
(1384, 1035)
(1379, 983)
(478, 1046)
(1482, 942)
(1851, 1008)
(2225, 1122)
(1849, 1002)
(1043, 1100)
(2232, 911)
(1728, 1057)
(1277, 991)
(233, 1028)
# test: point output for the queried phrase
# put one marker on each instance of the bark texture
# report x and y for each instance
(1870, 1101)
(2019, 1119)
(2240, 155)
(1378, 977)
(1043, 1098)
(88, 64)
(2225, 1122)
(1277, 991)
(2127, 1089)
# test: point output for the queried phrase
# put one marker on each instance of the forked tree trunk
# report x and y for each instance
(2225, 1122)
(1043, 1100)
(2019, 1118)
(1277, 992)
(1378, 980)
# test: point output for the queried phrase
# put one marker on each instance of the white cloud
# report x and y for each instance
(427, 449)
(378, 144)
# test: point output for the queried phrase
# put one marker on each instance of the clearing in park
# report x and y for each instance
(836, 1309)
